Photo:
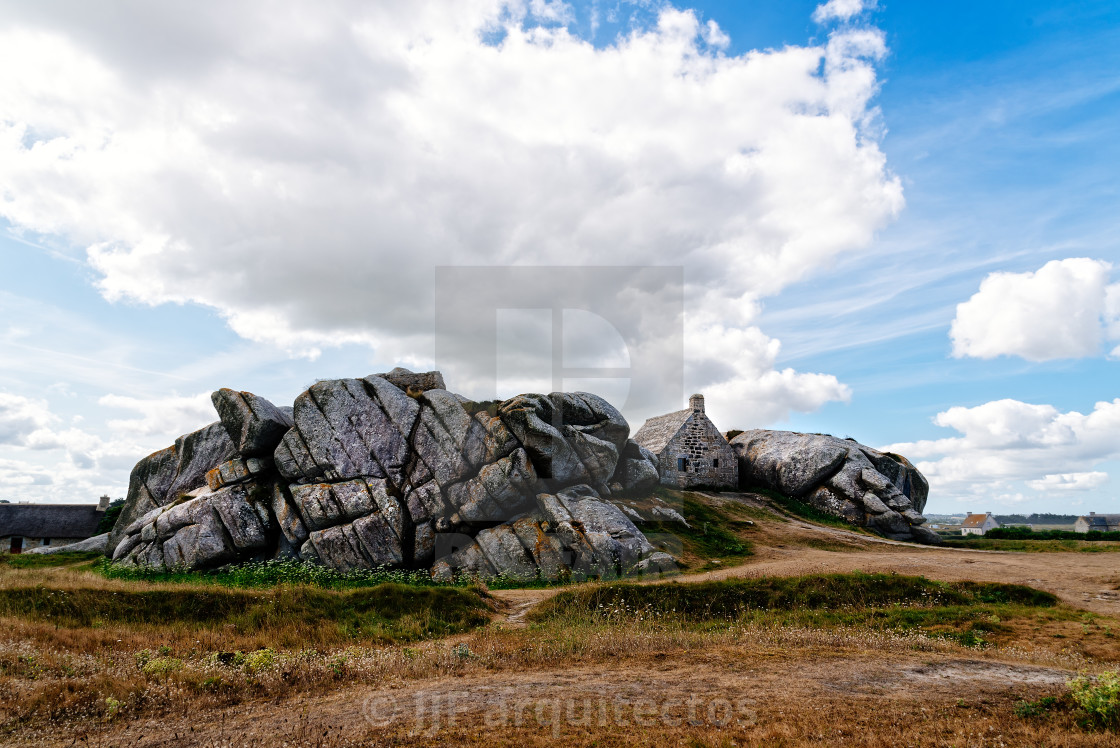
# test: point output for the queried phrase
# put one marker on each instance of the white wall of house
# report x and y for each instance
(988, 524)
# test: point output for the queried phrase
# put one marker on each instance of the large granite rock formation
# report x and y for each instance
(394, 470)
(873, 489)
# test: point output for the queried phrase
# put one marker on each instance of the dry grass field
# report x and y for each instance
(869, 661)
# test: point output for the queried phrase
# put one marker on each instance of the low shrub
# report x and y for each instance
(1099, 699)
(1027, 709)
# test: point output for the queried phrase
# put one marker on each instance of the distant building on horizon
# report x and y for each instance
(27, 526)
(690, 450)
(978, 524)
(1093, 522)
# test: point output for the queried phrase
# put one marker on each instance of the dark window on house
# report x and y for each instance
(682, 464)
(715, 463)
(17, 545)
(46, 541)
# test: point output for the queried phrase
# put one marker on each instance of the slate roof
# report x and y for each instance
(655, 433)
(1102, 521)
(77, 521)
(974, 520)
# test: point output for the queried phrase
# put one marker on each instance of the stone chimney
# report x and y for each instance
(696, 402)
(103, 503)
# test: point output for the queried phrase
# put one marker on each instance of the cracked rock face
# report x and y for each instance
(392, 470)
(873, 489)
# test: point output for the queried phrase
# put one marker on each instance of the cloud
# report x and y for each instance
(44, 462)
(1069, 481)
(715, 36)
(1008, 441)
(841, 10)
(305, 180)
(744, 389)
(20, 417)
(1066, 309)
(167, 417)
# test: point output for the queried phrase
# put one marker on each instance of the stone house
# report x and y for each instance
(1093, 522)
(27, 526)
(690, 450)
(978, 524)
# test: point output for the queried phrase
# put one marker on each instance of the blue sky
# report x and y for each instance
(258, 200)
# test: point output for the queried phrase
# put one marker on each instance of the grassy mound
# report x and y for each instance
(48, 560)
(736, 597)
(711, 533)
(388, 612)
(970, 612)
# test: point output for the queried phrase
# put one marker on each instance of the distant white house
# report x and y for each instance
(978, 524)
(1093, 522)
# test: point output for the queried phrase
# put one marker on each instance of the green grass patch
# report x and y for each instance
(265, 574)
(47, 560)
(803, 510)
(969, 612)
(389, 612)
(732, 597)
(1026, 533)
(269, 574)
(983, 543)
(712, 533)
(1030, 709)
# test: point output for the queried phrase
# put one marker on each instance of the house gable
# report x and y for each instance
(1097, 523)
(978, 524)
(690, 449)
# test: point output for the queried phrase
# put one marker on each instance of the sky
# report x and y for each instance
(890, 221)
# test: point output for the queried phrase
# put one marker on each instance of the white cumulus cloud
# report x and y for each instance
(1065, 309)
(43, 461)
(20, 417)
(168, 417)
(841, 10)
(304, 171)
(1070, 481)
(1004, 442)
